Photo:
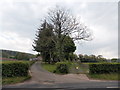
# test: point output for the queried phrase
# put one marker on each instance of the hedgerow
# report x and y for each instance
(62, 67)
(15, 68)
(104, 68)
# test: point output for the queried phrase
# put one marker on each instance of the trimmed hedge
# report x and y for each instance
(104, 68)
(62, 68)
(15, 68)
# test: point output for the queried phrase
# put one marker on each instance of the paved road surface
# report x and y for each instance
(44, 79)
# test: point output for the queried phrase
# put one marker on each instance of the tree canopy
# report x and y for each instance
(56, 35)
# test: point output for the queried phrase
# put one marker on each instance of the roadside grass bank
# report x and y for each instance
(49, 67)
(15, 71)
(67, 67)
(104, 71)
(14, 80)
(112, 76)
(79, 68)
(56, 68)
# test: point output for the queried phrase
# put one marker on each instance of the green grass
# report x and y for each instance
(52, 67)
(82, 68)
(8, 61)
(104, 76)
(13, 80)
(49, 67)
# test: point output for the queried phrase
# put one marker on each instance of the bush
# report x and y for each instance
(31, 63)
(62, 67)
(17, 68)
(104, 68)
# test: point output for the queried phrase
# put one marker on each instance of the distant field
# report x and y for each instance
(3, 60)
(8, 59)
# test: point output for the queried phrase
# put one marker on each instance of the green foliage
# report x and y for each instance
(102, 68)
(73, 56)
(8, 53)
(81, 68)
(53, 67)
(49, 67)
(91, 58)
(47, 44)
(68, 48)
(112, 76)
(15, 68)
(16, 55)
(114, 59)
(62, 67)
(69, 45)
(22, 56)
(31, 62)
(44, 42)
(5, 55)
(13, 80)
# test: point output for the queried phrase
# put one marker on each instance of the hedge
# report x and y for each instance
(62, 67)
(15, 68)
(104, 68)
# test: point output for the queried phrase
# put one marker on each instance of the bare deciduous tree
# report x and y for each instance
(66, 25)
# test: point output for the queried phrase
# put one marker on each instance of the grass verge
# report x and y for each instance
(13, 80)
(49, 67)
(82, 68)
(114, 76)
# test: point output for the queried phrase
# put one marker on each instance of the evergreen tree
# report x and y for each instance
(44, 42)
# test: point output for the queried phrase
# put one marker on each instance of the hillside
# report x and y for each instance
(16, 55)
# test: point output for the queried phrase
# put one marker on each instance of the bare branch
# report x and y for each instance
(66, 24)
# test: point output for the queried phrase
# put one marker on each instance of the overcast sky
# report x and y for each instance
(20, 20)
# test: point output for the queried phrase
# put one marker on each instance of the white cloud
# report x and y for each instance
(13, 41)
(20, 20)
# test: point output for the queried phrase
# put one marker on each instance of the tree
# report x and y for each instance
(91, 58)
(65, 24)
(5, 55)
(68, 47)
(80, 57)
(114, 59)
(100, 58)
(44, 43)
(22, 56)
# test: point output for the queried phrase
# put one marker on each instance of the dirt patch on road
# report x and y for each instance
(70, 78)
(77, 76)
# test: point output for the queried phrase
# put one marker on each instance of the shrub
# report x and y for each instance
(17, 68)
(31, 63)
(104, 68)
(62, 67)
